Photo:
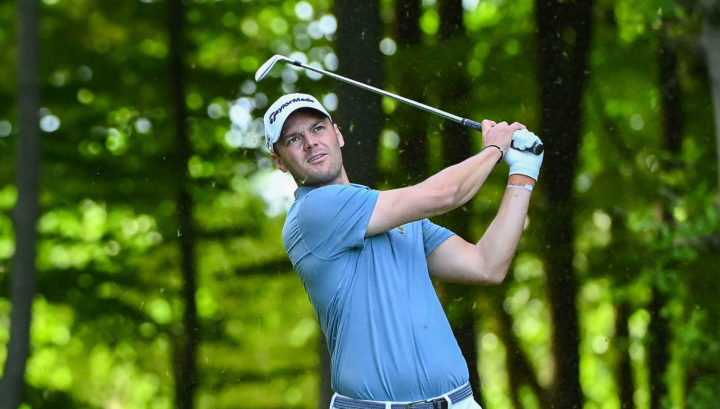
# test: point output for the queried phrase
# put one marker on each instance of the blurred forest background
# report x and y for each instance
(141, 264)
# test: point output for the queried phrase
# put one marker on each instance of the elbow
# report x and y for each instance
(491, 274)
(440, 195)
(496, 276)
(447, 198)
(484, 277)
(493, 263)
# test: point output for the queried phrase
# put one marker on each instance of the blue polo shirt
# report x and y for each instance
(388, 336)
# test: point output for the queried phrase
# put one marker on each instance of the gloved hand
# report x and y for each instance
(521, 162)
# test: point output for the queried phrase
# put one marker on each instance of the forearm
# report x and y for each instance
(488, 260)
(501, 239)
(448, 189)
(459, 183)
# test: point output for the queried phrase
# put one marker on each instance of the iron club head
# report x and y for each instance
(264, 69)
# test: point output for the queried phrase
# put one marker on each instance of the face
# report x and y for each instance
(309, 148)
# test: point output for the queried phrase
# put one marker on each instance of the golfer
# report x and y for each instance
(366, 257)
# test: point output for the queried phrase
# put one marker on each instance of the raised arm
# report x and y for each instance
(488, 260)
(448, 189)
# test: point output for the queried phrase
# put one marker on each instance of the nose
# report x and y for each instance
(310, 141)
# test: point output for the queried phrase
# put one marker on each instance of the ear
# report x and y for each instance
(278, 162)
(340, 138)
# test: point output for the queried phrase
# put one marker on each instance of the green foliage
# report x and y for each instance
(110, 300)
(703, 395)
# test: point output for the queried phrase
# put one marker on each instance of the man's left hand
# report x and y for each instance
(522, 162)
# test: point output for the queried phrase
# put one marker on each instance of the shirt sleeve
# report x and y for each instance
(334, 219)
(433, 235)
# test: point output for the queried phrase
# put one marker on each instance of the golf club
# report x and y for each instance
(264, 70)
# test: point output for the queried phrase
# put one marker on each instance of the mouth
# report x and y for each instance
(317, 157)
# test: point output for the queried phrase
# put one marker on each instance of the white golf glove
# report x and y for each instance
(522, 162)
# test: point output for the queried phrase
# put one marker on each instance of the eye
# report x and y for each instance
(319, 128)
(292, 139)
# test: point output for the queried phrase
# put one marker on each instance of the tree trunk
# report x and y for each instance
(466, 334)
(188, 339)
(326, 391)
(359, 114)
(520, 370)
(25, 214)
(672, 128)
(410, 122)
(622, 266)
(454, 94)
(658, 354)
(670, 98)
(564, 30)
(711, 46)
(624, 371)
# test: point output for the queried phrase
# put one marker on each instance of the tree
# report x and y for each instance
(454, 93)
(564, 30)
(188, 338)
(411, 125)
(359, 113)
(111, 317)
(672, 119)
(710, 41)
(26, 210)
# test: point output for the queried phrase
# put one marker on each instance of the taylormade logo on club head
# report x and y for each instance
(275, 113)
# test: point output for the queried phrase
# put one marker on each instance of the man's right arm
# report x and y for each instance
(448, 189)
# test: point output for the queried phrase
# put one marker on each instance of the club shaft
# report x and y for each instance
(367, 87)
(536, 148)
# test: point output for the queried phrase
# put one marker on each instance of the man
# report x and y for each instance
(366, 257)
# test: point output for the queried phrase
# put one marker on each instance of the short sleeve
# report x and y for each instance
(333, 219)
(433, 235)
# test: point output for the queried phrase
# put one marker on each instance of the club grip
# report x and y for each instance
(472, 124)
(535, 149)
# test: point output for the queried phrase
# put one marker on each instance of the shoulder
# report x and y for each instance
(341, 206)
(341, 189)
(335, 214)
(334, 194)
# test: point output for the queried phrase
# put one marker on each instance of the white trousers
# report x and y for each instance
(467, 403)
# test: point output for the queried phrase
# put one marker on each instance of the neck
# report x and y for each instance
(342, 179)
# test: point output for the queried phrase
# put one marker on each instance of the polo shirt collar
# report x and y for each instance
(303, 190)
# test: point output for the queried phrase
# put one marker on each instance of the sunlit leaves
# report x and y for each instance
(485, 13)
(430, 21)
(109, 370)
(8, 197)
(492, 367)
(153, 48)
(107, 254)
(7, 242)
(5, 308)
(250, 27)
(524, 301)
(51, 329)
(92, 236)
